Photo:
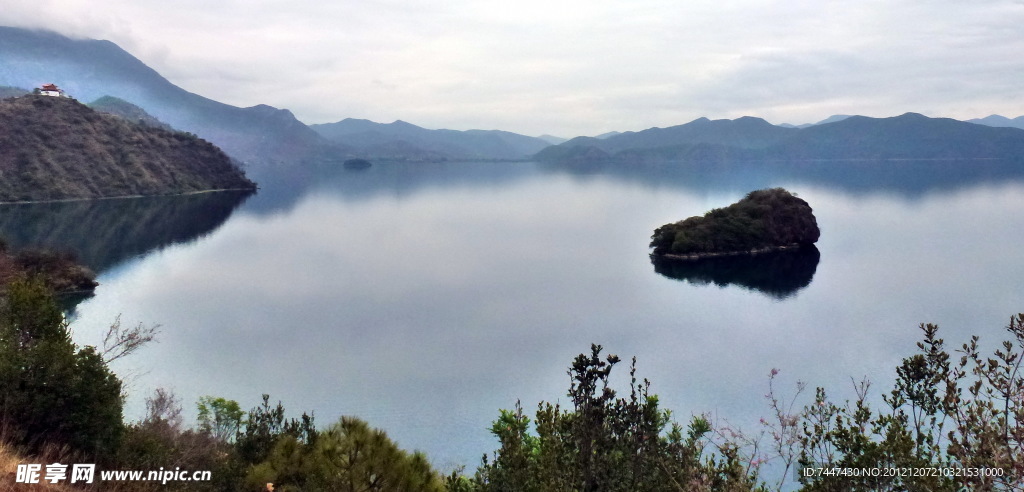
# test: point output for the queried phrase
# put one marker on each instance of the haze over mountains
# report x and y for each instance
(1000, 121)
(128, 111)
(261, 135)
(90, 69)
(395, 140)
(831, 119)
(268, 139)
(909, 136)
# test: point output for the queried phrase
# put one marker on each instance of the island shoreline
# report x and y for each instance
(721, 254)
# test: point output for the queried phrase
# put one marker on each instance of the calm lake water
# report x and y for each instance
(423, 298)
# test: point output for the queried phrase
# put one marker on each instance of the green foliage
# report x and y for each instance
(51, 391)
(763, 219)
(220, 417)
(265, 426)
(160, 440)
(347, 457)
(606, 443)
(227, 441)
(966, 415)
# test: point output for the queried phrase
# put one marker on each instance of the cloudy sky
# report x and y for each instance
(569, 67)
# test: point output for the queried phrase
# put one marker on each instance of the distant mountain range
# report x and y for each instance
(1000, 121)
(993, 120)
(405, 141)
(268, 139)
(831, 119)
(262, 136)
(551, 139)
(909, 136)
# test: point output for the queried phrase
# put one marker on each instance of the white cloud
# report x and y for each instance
(569, 67)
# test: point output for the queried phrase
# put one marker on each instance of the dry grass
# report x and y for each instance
(9, 461)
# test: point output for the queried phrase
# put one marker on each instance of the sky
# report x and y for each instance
(569, 67)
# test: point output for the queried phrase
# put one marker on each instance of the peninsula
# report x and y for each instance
(55, 148)
(763, 221)
(59, 271)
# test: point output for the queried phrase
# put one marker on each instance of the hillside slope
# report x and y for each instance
(128, 111)
(6, 92)
(56, 148)
(262, 136)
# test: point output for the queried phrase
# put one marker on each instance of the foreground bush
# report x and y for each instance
(965, 415)
(349, 456)
(607, 443)
(51, 391)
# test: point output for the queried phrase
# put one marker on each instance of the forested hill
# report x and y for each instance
(57, 148)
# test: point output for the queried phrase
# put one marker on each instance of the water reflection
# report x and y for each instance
(423, 298)
(103, 233)
(909, 178)
(282, 188)
(778, 275)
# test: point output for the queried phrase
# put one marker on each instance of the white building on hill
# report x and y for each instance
(51, 90)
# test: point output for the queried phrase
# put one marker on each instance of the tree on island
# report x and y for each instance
(764, 220)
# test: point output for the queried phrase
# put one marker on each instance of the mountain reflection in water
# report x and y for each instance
(779, 275)
(103, 233)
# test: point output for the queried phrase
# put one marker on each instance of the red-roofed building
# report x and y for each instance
(51, 90)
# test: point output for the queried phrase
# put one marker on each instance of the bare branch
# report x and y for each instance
(163, 406)
(121, 341)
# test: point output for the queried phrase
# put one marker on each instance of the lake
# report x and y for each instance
(424, 298)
